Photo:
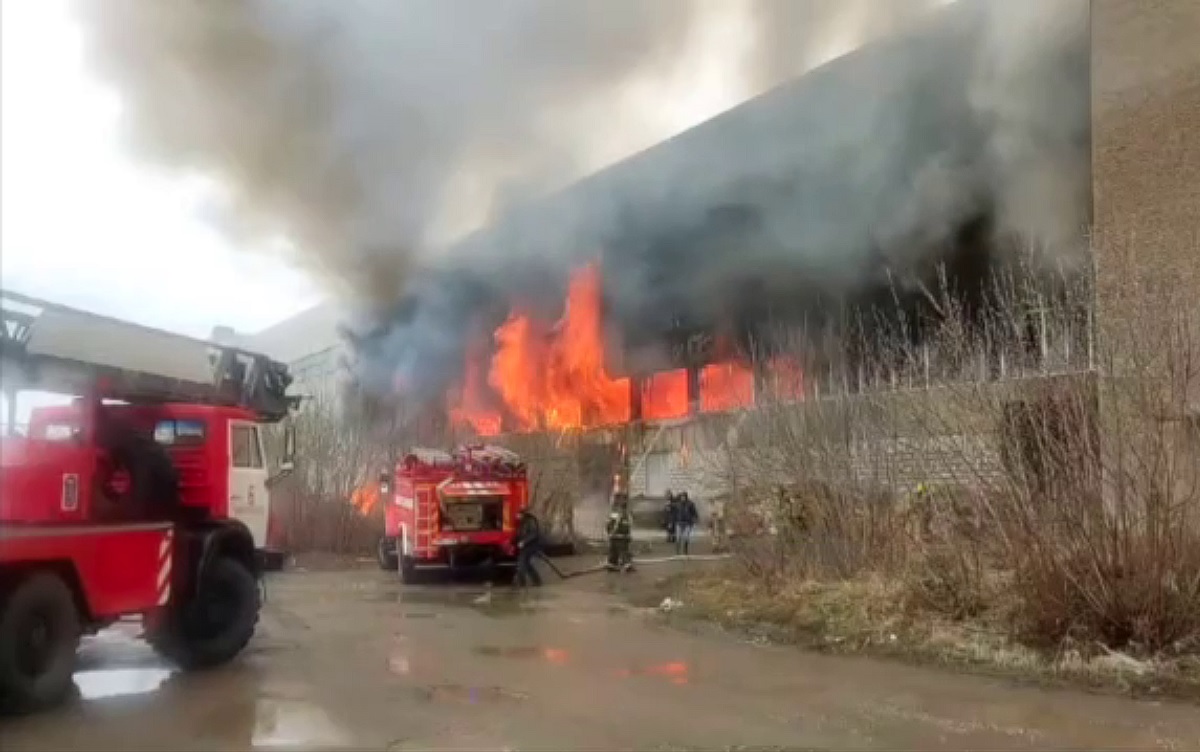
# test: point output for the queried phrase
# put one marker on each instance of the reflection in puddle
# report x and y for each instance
(291, 723)
(676, 672)
(398, 664)
(97, 684)
(556, 656)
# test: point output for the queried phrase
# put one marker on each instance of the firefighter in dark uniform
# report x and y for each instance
(670, 513)
(529, 547)
(686, 517)
(620, 535)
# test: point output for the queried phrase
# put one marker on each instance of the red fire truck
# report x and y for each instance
(452, 510)
(145, 497)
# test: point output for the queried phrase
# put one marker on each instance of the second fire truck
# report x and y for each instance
(452, 510)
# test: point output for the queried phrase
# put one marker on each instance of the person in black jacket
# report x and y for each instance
(670, 513)
(686, 518)
(529, 547)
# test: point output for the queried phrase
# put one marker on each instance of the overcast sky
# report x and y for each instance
(85, 224)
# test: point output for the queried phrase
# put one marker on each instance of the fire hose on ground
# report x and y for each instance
(605, 566)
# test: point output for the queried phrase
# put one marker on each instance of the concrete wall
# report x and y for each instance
(1146, 152)
(1146, 173)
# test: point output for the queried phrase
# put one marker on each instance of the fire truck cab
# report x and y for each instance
(452, 510)
(143, 497)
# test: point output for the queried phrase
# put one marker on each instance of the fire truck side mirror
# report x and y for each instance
(287, 463)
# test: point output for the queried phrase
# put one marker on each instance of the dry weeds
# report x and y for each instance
(1018, 492)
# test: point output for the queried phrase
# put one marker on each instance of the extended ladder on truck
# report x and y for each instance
(55, 348)
(150, 501)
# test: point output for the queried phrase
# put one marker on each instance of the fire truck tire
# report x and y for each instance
(39, 634)
(385, 552)
(213, 630)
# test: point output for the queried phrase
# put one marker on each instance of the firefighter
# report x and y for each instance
(529, 547)
(670, 513)
(686, 518)
(620, 535)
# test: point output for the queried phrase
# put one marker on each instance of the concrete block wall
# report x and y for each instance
(901, 463)
(696, 456)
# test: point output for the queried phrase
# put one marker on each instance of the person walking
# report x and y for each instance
(686, 519)
(529, 547)
(670, 513)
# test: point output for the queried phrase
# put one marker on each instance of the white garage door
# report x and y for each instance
(658, 472)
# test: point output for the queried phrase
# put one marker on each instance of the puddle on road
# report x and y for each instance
(489, 602)
(292, 723)
(457, 693)
(99, 684)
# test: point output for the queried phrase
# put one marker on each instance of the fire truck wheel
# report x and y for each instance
(39, 634)
(385, 552)
(214, 629)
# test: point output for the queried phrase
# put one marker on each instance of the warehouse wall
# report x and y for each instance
(1145, 151)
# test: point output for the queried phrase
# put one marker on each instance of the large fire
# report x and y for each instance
(665, 395)
(726, 386)
(548, 376)
(468, 407)
(552, 376)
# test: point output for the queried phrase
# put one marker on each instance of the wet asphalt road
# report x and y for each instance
(351, 659)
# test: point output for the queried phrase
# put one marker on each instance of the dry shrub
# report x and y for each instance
(948, 580)
(311, 523)
(336, 452)
(1141, 600)
(1064, 459)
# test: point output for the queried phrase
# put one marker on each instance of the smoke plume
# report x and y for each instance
(366, 131)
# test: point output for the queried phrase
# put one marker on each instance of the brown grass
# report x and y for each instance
(875, 616)
(1059, 525)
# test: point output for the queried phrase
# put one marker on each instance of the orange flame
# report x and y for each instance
(365, 497)
(726, 386)
(469, 408)
(665, 395)
(553, 377)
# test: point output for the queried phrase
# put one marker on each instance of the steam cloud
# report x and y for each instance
(363, 129)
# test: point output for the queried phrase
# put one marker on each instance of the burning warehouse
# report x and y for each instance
(938, 160)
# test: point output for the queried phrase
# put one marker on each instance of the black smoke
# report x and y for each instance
(956, 152)
(356, 127)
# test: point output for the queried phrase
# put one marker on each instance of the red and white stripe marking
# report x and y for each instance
(164, 567)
